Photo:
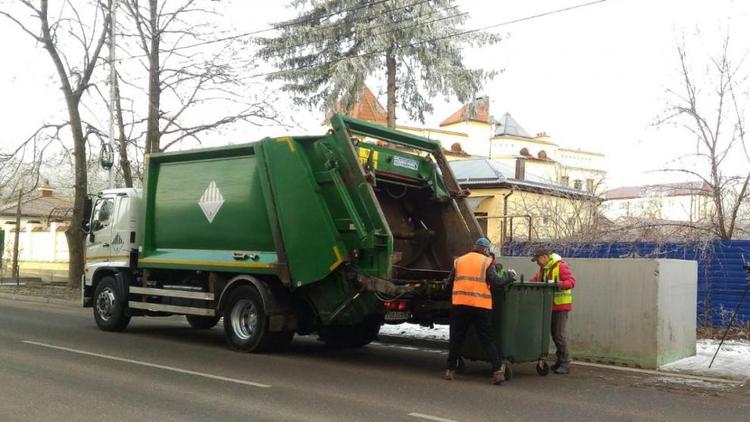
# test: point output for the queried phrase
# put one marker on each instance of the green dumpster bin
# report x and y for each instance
(521, 316)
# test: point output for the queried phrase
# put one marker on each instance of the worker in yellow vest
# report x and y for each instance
(471, 301)
(552, 269)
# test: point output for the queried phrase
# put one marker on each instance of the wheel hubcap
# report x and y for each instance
(244, 319)
(105, 303)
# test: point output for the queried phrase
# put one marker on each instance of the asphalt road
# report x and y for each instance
(55, 365)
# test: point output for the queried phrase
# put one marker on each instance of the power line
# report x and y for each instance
(414, 44)
(410, 19)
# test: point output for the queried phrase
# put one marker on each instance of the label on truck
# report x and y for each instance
(364, 157)
(405, 163)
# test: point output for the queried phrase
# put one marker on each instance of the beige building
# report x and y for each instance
(684, 202)
(510, 209)
(475, 132)
(43, 248)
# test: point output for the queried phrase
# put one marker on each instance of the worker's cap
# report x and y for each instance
(483, 242)
(539, 252)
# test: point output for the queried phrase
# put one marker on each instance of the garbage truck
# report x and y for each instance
(333, 234)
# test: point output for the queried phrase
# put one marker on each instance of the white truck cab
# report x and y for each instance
(113, 234)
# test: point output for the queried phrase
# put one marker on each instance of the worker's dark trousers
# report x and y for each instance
(462, 317)
(559, 321)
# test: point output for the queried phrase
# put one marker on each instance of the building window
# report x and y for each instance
(482, 222)
(578, 184)
(565, 181)
(590, 185)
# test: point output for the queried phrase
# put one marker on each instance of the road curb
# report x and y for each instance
(443, 346)
(39, 299)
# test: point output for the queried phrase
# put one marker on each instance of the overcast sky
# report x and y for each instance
(592, 78)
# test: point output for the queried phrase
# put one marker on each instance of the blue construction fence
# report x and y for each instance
(722, 279)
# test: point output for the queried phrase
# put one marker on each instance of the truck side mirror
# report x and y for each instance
(86, 219)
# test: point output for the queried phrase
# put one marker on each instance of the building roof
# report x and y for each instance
(507, 125)
(663, 189)
(490, 173)
(366, 108)
(36, 206)
(477, 110)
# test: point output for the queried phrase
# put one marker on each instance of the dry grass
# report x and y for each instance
(738, 332)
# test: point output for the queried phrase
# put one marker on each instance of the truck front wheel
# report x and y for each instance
(245, 322)
(109, 305)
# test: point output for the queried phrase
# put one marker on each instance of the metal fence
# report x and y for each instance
(721, 277)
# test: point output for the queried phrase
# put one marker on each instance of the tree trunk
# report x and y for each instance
(154, 88)
(390, 67)
(127, 173)
(73, 234)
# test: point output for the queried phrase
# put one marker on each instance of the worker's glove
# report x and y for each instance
(512, 274)
(507, 277)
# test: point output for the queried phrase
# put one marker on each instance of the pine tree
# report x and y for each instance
(328, 51)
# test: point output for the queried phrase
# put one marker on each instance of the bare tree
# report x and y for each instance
(189, 66)
(710, 107)
(75, 78)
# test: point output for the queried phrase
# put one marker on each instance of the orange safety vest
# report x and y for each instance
(470, 286)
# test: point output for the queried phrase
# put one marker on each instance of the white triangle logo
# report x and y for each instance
(211, 201)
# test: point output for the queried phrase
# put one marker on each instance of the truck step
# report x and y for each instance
(186, 310)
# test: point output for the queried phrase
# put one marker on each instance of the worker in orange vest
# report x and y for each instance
(552, 269)
(471, 278)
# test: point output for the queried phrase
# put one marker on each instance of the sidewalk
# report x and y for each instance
(732, 362)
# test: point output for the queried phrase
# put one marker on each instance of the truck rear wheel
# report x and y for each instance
(246, 323)
(357, 335)
(109, 305)
(202, 322)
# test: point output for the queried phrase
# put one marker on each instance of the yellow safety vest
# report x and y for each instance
(561, 297)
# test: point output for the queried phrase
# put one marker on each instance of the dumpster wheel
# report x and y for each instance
(542, 367)
(508, 370)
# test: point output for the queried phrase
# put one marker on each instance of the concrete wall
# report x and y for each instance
(635, 312)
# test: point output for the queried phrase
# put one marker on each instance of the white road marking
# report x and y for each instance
(150, 365)
(430, 417)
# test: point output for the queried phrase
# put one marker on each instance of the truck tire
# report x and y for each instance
(245, 321)
(357, 335)
(202, 322)
(109, 305)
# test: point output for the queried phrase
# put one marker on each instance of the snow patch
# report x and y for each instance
(416, 331)
(733, 361)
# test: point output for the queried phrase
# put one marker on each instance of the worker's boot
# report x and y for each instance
(449, 374)
(498, 377)
(562, 369)
(556, 365)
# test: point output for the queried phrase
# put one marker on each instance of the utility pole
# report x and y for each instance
(17, 238)
(112, 92)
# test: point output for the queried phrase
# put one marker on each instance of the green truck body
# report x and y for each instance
(328, 231)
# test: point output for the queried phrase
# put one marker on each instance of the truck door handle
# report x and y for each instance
(106, 245)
